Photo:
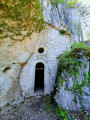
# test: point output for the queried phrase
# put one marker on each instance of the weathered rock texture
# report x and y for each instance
(66, 95)
(85, 19)
(62, 18)
(13, 54)
(18, 56)
(18, 59)
(75, 20)
(86, 43)
(53, 45)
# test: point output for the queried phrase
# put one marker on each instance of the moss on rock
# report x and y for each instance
(21, 15)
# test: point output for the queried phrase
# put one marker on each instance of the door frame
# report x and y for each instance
(36, 69)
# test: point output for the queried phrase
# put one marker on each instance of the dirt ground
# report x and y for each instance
(36, 108)
(33, 108)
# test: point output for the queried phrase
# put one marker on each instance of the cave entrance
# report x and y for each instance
(39, 77)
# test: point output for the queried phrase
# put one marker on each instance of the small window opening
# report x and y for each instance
(39, 77)
(40, 50)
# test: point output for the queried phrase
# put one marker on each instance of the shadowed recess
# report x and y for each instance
(39, 77)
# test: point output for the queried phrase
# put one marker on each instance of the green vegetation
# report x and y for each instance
(1, 31)
(80, 45)
(49, 106)
(75, 47)
(88, 34)
(62, 32)
(77, 88)
(4, 36)
(69, 61)
(12, 38)
(8, 104)
(61, 113)
(21, 15)
(87, 79)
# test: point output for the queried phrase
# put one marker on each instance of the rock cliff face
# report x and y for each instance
(62, 18)
(74, 93)
(85, 18)
(75, 20)
(15, 54)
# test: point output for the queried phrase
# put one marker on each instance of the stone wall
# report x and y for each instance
(53, 44)
(19, 57)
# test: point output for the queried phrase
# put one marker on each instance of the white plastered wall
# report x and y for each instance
(54, 44)
(27, 77)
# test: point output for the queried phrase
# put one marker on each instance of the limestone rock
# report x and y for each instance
(19, 58)
(60, 16)
(9, 84)
(85, 18)
(13, 55)
(66, 96)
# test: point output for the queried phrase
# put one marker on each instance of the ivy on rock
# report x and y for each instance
(72, 62)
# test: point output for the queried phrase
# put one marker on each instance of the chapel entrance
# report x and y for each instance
(39, 77)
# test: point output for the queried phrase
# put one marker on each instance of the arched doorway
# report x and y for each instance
(39, 77)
